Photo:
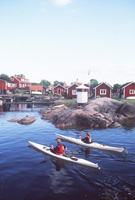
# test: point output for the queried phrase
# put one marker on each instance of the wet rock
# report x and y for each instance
(27, 120)
(13, 120)
(127, 110)
(114, 125)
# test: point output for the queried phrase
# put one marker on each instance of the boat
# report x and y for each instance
(72, 159)
(94, 145)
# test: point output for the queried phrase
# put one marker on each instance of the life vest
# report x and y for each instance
(61, 149)
(89, 139)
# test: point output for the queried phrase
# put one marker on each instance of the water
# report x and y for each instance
(27, 174)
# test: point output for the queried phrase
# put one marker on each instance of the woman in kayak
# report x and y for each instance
(59, 149)
(87, 139)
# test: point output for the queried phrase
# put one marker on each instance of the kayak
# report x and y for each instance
(72, 159)
(91, 145)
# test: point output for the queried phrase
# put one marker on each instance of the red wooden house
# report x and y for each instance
(59, 90)
(21, 81)
(71, 91)
(102, 90)
(6, 86)
(127, 90)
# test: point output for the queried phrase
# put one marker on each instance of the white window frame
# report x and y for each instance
(102, 91)
(74, 92)
(131, 91)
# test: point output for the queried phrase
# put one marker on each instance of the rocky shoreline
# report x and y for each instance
(97, 114)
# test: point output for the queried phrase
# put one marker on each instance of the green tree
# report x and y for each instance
(58, 82)
(5, 77)
(93, 81)
(115, 87)
(45, 82)
(34, 83)
(21, 75)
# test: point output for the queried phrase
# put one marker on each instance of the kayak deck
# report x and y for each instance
(91, 145)
(73, 159)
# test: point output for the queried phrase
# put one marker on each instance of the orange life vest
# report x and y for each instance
(61, 149)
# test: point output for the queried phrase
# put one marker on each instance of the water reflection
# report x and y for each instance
(1, 109)
(86, 150)
(61, 182)
(58, 163)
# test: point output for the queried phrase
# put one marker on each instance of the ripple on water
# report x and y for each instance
(29, 174)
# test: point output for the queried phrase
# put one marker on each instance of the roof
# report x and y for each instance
(8, 81)
(59, 86)
(93, 86)
(45, 86)
(82, 87)
(125, 85)
(78, 83)
(72, 85)
(36, 87)
(103, 83)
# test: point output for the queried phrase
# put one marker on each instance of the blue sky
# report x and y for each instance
(62, 39)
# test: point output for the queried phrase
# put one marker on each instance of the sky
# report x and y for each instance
(65, 39)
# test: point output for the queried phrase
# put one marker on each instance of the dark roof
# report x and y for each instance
(45, 86)
(124, 85)
(93, 86)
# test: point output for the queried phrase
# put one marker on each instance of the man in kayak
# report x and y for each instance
(87, 139)
(59, 149)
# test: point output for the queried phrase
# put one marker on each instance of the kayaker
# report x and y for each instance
(87, 139)
(59, 149)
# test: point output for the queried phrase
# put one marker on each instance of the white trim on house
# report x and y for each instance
(72, 85)
(102, 91)
(59, 85)
(74, 92)
(101, 84)
(124, 92)
(131, 91)
(128, 85)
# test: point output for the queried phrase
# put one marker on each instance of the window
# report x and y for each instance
(73, 92)
(131, 91)
(102, 91)
(79, 90)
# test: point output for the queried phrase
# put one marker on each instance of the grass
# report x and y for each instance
(125, 100)
(66, 100)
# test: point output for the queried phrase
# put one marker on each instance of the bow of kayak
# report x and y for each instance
(91, 145)
(73, 159)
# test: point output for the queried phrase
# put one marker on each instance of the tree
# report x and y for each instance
(115, 87)
(58, 82)
(45, 82)
(5, 77)
(93, 81)
(21, 75)
(34, 83)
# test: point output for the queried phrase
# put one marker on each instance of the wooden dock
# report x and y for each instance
(32, 102)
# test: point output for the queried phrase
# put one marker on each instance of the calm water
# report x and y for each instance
(26, 174)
